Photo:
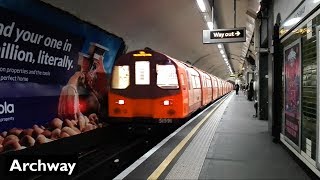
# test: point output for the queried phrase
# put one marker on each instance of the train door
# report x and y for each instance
(202, 87)
(185, 92)
(209, 89)
(214, 87)
(218, 87)
(223, 88)
(190, 87)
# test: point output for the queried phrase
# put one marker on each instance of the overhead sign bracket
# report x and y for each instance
(224, 35)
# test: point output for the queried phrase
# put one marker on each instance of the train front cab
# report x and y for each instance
(146, 86)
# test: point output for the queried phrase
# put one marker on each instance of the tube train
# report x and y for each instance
(149, 86)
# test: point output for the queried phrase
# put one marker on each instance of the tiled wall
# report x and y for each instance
(309, 85)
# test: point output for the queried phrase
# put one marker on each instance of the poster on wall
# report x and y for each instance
(292, 94)
(54, 73)
(318, 99)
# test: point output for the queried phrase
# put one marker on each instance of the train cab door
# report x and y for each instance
(184, 85)
(190, 87)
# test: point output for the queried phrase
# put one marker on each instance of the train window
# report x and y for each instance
(209, 83)
(197, 82)
(188, 80)
(142, 72)
(167, 77)
(120, 77)
(193, 79)
(182, 79)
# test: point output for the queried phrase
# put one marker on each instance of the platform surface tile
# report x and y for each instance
(240, 147)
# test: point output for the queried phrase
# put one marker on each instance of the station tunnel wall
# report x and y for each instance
(50, 62)
(304, 36)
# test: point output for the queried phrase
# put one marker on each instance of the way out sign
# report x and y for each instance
(224, 35)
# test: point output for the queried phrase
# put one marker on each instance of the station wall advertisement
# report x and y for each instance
(54, 70)
(292, 110)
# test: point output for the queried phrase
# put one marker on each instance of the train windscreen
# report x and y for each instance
(120, 77)
(167, 77)
(142, 76)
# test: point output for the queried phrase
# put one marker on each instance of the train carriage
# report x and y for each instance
(148, 86)
(206, 89)
(215, 87)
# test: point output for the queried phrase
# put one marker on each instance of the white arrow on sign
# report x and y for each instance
(237, 33)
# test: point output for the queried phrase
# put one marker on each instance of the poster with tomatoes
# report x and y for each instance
(54, 72)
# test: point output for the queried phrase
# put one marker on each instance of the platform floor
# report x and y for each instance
(241, 148)
(230, 144)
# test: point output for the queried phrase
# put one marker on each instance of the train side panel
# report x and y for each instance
(209, 88)
(184, 86)
(195, 93)
(206, 96)
(215, 89)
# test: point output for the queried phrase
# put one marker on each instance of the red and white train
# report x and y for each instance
(148, 86)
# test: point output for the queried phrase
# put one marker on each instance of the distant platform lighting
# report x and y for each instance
(210, 25)
(201, 5)
(292, 21)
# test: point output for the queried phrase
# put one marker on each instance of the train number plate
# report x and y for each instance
(165, 120)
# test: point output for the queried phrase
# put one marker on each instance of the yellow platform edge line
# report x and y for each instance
(156, 174)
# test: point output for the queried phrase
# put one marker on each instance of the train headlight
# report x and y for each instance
(167, 102)
(121, 102)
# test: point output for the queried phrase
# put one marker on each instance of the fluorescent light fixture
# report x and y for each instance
(221, 51)
(220, 46)
(210, 25)
(201, 5)
(292, 21)
(206, 16)
(223, 55)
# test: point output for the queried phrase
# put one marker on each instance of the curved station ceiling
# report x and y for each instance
(173, 27)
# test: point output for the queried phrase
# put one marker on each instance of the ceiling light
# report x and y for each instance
(221, 51)
(316, 1)
(223, 55)
(292, 21)
(220, 46)
(210, 25)
(201, 5)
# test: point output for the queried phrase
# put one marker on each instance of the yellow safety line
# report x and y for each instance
(156, 174)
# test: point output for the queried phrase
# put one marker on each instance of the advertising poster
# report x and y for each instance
(318, 99)
(54, 73)
(292, 63)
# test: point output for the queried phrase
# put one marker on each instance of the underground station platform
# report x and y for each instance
(225, 141)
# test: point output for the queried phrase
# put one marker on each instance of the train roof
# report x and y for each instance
(150, 52)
